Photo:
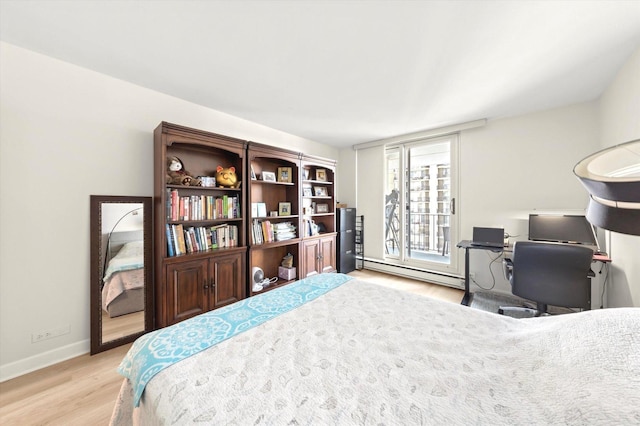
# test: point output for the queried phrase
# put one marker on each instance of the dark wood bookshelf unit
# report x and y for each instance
(227, 232)
(318, 248)
(199, 278)
(273, 205)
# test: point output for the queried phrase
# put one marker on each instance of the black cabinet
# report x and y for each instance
(346, 240)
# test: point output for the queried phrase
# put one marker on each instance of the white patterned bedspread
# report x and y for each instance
(366, 354)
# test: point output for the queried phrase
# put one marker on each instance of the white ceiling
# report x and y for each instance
(343, 72)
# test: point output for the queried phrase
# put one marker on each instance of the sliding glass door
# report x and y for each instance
(420, 201)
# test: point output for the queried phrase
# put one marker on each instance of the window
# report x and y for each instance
(419, 203)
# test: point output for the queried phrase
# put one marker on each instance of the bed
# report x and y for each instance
(123, 280)
(330, 349)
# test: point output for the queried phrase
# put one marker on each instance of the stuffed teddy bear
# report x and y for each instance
(176, 174)
(227, 177)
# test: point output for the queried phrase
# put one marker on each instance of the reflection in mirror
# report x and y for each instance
(121, 293)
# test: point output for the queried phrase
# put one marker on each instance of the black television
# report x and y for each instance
(573, 229)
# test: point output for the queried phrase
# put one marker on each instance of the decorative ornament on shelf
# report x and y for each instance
(177, 175)
(612, 177)
(226, 177)
(287, 261)
(286, 270)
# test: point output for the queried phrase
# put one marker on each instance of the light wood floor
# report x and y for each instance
(414, 286)
(83, 390)
(124, 325)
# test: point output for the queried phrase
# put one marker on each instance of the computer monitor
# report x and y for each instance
(562, 229)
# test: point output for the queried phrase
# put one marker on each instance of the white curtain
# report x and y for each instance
(370, 198)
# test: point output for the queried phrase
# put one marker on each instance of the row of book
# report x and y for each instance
(309, 228)
(192, 239)
(263, 231)
(201, 207)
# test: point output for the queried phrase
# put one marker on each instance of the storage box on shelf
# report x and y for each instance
(318, 247)
(274, 220)
(200, 231)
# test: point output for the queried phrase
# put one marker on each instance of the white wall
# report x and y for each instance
(68, 132)
(620, 122)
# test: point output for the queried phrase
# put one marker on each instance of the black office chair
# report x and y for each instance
(550, 274)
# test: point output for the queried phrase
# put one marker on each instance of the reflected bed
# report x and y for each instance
(123, 281)
(330, 349)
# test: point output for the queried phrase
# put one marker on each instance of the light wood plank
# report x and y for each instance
(83, 390)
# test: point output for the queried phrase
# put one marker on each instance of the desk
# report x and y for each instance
(466, 245)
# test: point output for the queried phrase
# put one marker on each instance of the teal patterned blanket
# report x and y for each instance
(162, 348)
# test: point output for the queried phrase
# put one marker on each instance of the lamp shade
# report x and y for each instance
(613, 218)
(612, 177)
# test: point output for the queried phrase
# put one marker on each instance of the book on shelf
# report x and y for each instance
(263, 231)
(170, 241)
(193, 239)
(201, 207)
(309, 228)
(181, 246)
(258, 210)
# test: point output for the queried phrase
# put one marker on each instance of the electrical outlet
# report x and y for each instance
(49, 334)
(472, 275)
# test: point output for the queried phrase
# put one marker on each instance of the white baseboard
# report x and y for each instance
(415, 273)
(46, 359)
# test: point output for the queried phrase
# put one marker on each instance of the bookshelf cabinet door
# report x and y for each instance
(327, 254)
(310, 258)
(226, 275)
(186, 287)
(319, 255)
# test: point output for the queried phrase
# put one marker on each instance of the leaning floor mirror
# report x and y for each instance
(121, 286)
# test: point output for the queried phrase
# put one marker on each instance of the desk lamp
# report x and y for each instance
(612, 177)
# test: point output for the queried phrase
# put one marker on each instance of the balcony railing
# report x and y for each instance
(427, 231)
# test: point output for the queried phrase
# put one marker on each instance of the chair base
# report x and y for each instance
(541, 309)
(531, 312)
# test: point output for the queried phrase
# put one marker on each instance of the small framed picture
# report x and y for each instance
(253, 174)
(322, 208)
(284, 209)
(261, 209)
(273, 213)
(321, 175)
(284, 174)
(306, 191)
(320, 191)
(306, 173)
(268, 176)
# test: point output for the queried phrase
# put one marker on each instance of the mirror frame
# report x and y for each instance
(97, 262)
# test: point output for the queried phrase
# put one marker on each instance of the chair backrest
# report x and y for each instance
(552, 273)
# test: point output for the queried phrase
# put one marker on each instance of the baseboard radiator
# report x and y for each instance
(412, 272)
